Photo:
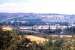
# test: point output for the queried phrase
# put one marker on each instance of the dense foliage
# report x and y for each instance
(7, 40)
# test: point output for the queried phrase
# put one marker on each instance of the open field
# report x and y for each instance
(41, 39)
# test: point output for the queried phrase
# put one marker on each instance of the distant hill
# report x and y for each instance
(36, 18)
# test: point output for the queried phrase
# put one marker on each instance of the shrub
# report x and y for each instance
(7, 40)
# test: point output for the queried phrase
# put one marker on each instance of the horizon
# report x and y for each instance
(37, 13)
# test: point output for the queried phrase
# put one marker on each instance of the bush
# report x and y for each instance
(7, 40)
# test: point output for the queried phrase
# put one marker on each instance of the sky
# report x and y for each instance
(38, 6)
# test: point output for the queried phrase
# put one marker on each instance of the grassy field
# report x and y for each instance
(41, 39)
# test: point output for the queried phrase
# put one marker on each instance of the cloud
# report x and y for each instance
(39, 6)
(13, 1)
(24, 1)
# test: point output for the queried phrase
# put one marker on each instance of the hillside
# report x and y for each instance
(35, 18)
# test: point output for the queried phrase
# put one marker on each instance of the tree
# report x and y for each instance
(48, 45)
(7, 40)
(58, 43)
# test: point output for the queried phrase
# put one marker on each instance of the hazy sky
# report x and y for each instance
(38, 6)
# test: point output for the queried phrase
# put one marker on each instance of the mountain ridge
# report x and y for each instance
(34, 17)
